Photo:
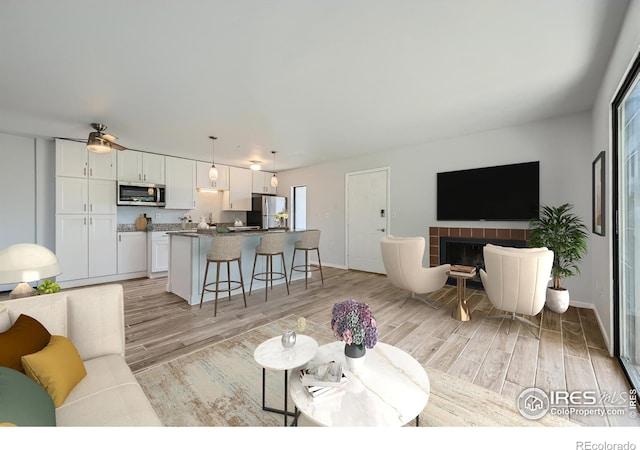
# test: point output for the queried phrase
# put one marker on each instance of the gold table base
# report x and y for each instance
(461, 310)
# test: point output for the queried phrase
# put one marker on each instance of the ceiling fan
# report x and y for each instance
(98, 141)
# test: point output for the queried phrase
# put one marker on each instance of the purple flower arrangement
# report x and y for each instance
(353, 323)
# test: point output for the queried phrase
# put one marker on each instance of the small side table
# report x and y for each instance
(461, 310)
(272, 355)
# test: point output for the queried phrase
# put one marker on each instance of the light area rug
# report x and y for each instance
(221, 386)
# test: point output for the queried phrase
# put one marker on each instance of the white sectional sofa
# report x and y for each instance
(93, 319)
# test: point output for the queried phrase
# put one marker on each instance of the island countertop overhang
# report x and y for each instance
(210, 233)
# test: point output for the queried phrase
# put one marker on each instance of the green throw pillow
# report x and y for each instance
(24, 402)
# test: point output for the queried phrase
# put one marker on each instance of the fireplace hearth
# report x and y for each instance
(464, 246)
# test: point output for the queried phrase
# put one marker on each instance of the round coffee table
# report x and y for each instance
(272, 355)
(391, 390)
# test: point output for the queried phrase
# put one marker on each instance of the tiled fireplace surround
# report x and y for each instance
(499, 236)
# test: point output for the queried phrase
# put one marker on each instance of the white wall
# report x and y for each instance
(602, 264)
(562, 145)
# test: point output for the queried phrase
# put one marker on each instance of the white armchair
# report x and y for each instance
(402, 259)
(516, 280)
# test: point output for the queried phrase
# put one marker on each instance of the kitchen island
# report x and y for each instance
(188, 259)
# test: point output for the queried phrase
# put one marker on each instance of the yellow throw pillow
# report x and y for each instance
(57, 367)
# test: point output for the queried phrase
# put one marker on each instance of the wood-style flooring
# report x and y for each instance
(498, 354)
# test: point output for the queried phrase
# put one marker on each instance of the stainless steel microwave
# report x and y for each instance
(141, 194)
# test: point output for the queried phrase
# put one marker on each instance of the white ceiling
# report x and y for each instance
(314, 80)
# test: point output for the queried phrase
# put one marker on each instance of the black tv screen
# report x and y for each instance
(509, 192)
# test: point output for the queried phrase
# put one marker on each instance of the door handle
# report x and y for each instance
(380, 229)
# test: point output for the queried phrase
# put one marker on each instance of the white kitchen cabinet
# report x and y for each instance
(137, 166)
(157, 254)
(103, 254)
(84, 196)
(261, 182)
(74, 160)
(180, 183)
(202, 177)
(86, 219)
(132, 252)
(72, 246)
(72, 195)
(86, 245)
(238, 197)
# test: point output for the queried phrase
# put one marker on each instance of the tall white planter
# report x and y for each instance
(557, 300)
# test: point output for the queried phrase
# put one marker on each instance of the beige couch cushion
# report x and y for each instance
(5, 323)
(95, 325)
(108, 396)
(49, 310)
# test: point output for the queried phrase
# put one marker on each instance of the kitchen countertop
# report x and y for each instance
(195, 233)
(125, 227)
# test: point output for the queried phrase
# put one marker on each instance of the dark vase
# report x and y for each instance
(354, 356)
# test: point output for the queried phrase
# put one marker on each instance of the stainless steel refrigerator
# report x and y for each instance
(264, 208)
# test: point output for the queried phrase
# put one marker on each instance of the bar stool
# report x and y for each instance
(271, 244)
(310, 240)
(224, 249)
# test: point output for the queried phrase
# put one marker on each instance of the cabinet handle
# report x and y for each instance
(91, 207)
(144, 177)
(85, 220)
(91, 221)
(139, 177)
(84, 171)
(84, 207)
(119, 238)
(90, 172)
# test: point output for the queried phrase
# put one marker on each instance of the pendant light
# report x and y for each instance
(213, 172)
(274, 178)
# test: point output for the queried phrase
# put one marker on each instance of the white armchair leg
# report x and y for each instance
(424, 300)
(513, 316)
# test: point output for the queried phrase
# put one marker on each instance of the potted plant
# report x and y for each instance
(48, 287)
(565, 233)
(353, 323)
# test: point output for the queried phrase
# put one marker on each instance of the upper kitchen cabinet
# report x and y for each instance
(139, 166)
(238, 197)
(74, 160)
(261, 182)
(81, 196)
(202, 177)
(180, 182)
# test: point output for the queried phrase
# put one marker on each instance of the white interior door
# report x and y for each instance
(367, 218)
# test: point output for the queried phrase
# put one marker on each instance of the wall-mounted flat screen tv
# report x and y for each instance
(508, 192)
